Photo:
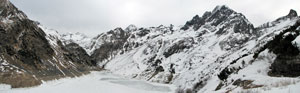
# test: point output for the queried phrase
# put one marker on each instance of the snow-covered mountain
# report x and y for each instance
(29, 56)
(221, 51)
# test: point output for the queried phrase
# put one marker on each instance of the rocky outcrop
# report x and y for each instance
(224, 17)
(196, 22)
(287, 60)
(179, 47)
(223, 21)
(111, 44)
(78, 54)
(288, 66)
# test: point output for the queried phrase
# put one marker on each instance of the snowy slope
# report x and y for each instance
(191, 57)
(94, 83)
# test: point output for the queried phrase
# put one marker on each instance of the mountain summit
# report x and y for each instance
(221, 18)
(292, 13)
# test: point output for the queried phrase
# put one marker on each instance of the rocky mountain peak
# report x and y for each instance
(221, 16)
(117, 30)
(292, 13)
(206, 14)
(117, 33)
(196, 22)
(221, 11)
(8, 12)
(222, 8)
(131, 28)
(195, 18)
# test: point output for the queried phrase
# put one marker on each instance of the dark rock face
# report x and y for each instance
(282, 43)
(245, 84)
(22, 45)
(288, 66)
(26, 42)
(224, 74)
(113, 41)
(220, 14)
(179, 47)
(22, 38)
(292, 13)
(143, 32)
(287, 60)
(26, 51)
(196, 22)
(78, 54)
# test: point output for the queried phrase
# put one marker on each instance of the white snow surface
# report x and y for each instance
(96, 82)
(257, 72)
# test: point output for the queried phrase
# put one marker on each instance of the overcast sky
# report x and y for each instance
(96, 16)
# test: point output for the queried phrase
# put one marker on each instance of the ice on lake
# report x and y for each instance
(96, 82)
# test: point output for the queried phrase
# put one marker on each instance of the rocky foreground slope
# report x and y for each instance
(28, 55)
(220, 51)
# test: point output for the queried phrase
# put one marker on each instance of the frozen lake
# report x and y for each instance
(96, 82)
